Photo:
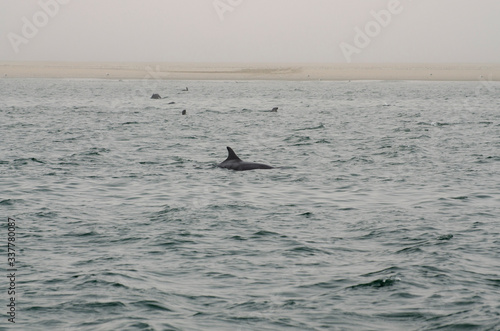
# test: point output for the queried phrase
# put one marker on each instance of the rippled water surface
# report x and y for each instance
(382, 212)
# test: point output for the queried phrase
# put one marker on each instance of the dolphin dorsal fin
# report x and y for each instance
(231, 154)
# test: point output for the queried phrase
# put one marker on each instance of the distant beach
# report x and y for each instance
(250, 71)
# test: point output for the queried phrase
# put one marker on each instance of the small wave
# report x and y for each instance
(218, 275)
(127, 240)
(412, 249)
(389, 270)
(94, 151)
(321, 126)
(264, 233)
(24, 161)
(461, 197)
(305, 249)
(483, 196)
(173, 242)
(165, 214)
(95, 282)
(213, 111)
(378, 283)
(445, 237)
(103, 305)
(362, 160)
(148, 162)
(10, 202)
(151, 305)
(47, 214)
(332, 284)
(438, 124)
(239, 238)
(299, 140)
(82, 234)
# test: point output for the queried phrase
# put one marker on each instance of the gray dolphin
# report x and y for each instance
(235, 163)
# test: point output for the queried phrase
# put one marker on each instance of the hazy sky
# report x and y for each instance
(336, 31)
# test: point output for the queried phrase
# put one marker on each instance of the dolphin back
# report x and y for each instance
(235, 163)
(252, 165)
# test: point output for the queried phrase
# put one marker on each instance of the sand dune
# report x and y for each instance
(249, 71)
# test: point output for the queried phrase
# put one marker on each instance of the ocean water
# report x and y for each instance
(382, 212)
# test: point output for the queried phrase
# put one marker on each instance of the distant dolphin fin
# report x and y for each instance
(231, 154)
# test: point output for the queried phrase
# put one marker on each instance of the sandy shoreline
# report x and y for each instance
(249, 71)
